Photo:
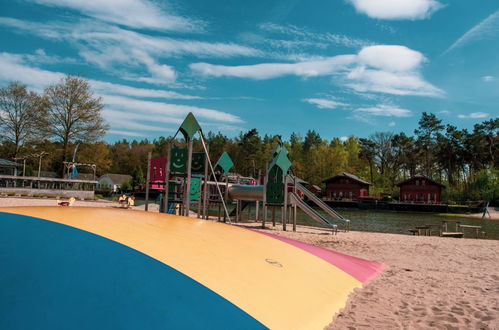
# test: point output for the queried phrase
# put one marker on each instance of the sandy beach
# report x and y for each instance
(430, 282)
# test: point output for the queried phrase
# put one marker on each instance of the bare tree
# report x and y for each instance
(19, 111)
(73, 112)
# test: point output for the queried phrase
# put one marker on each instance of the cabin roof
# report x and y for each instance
(347, 175)
(419, 177)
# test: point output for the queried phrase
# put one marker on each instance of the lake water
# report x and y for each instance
(382, 221)
(393, 222)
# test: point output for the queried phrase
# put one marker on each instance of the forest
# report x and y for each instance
(47, 127)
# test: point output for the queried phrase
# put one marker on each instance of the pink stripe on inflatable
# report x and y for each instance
(361, 269)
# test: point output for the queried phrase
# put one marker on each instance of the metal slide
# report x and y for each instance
(332, 213)
(295, 200)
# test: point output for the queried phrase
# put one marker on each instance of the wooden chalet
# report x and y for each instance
(420, 189)
(346, 186)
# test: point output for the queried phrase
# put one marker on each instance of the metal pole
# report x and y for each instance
(257, 203)
(294, 206)
(187, 196)
(264, 202)
(213, 172)
(40, 164)
(167, 179)
(205, 187)
(148, 179)
(285, 204)
(226, 195)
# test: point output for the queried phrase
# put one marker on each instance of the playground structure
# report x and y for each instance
(189, 178)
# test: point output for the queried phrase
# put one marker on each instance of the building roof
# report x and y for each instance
(8, 163)
(346, 175)
(118, 179)
(420, 176)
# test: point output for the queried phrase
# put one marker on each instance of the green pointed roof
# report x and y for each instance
(189, 127)
(278, 148)
(282, 161)
(225, 162)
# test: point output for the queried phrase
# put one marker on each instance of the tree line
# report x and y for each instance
(68, 113)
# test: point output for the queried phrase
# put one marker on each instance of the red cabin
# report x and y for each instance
(346, 185)
(420, 189)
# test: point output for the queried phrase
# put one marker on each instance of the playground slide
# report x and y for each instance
(243, 206)
(296, 200)
(310, 195)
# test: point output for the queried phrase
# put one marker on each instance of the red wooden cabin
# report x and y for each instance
(420, 189)
(346, 185)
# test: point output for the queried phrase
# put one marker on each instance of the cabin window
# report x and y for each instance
(350, 194)
(423, 182)
(417, 182)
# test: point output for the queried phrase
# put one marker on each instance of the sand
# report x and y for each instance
(430, 282)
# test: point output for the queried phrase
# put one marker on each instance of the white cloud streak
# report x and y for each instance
(273, 70)
(488, 29)
(474, 115)
(384, 110)
(141, 14)
(397, 9)
(390, 69)
(324, 103)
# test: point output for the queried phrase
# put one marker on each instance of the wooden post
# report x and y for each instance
(273, 215)
(148, 180)
(167, 178)
(257, 203)
(187, 182)
(205, 187)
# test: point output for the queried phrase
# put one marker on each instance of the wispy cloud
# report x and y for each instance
(387, 69)
(273, 70)
(384, 110)
(125, 133)
(17, 67)
(301, 36)
(116, 50)
(397, 9)
(324, 103)
(121, 108)
(368, 114)
(489, 78)
(141, 14)
(488, 29)
(474, 115)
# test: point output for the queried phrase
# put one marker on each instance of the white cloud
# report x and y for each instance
(13, 67)
(141, 14)
(488, 29)
(397, 9)
(303, 37)
(324, 103)
(474, 115)
(262, 71)
(488, 78)
(392, 58)
(123, 112)
(344, 138)
(392, 124)
(165, 109)
(384, 110)
(125, 133)
(387, 69)
(117, 50)
(444, 112)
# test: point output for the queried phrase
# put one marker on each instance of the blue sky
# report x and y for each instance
(341, 67)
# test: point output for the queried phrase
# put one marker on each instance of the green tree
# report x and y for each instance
(427, 132)
(19, 115)
(73, 113)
